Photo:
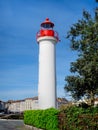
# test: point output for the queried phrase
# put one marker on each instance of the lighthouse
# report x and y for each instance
(47, 39)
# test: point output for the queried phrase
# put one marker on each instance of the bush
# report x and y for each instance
(78, 118)
(44, 119)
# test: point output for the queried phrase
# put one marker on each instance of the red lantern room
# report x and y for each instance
(47, 30)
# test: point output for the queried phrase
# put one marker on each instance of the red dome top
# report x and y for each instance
(47, 24)
(47, 30)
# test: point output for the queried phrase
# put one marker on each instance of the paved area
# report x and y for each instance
(12, 125)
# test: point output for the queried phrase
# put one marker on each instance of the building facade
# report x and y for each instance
(2, 106)
(20, 106)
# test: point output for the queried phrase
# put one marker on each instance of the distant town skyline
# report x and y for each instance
(19, 22)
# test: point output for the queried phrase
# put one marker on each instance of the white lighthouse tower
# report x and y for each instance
(47, 39)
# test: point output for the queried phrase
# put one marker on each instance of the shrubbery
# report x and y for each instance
(78, 118)
(44, 119)
(71, 118)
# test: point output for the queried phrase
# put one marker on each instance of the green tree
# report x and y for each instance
(83, 36)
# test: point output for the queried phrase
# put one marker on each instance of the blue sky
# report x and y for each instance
(19, 22)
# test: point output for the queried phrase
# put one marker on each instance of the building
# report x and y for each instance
(96, 102)
(2, 106)
(20, 106)
(61, 101)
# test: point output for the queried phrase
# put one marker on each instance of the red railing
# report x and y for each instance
(51, 33)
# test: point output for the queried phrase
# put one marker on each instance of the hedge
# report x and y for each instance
(44, 119)
(76, 118)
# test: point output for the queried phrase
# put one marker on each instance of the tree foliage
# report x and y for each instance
(84, 39)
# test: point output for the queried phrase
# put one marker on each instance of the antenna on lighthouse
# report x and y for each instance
(47, 39)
